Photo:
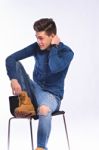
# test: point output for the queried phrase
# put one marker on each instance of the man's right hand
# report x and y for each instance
(16, 88)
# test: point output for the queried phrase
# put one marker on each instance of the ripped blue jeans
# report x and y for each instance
(39, 98)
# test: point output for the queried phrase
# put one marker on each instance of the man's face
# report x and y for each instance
(43, 40)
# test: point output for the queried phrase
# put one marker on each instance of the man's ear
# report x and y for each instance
(53, 35)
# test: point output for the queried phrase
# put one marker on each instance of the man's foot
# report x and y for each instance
(39, 148)
(26, 108)
(23, 114)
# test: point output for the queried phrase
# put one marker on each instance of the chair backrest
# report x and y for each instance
(13, 103)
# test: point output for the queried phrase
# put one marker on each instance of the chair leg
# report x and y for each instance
(9, 124)
(66, 132)
(31, 132)
(9, 133)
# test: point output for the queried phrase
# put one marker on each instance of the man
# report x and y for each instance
(52, 59)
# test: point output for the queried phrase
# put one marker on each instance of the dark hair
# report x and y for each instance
(45, 24)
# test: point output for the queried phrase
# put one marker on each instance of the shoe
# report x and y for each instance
(39, 148)
(26, 108)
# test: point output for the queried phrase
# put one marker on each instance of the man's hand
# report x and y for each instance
(16, 88)
(55, 40)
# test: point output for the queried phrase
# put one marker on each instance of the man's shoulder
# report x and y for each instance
(33, 45)
(64, 47)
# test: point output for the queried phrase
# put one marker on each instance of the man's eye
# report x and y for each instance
(40, 38)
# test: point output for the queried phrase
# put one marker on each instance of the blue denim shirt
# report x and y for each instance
(50, 68)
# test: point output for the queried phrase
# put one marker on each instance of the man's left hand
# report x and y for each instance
(55, 40)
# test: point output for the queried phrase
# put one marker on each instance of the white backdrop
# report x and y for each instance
(78, 27)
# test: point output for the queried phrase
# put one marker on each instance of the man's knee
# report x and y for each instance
(43, 110)
(18, 65)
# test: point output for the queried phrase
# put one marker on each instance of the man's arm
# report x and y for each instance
(19, 55)
(60, 56)
(11, 66)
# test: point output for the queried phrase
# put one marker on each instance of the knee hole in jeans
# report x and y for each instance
(43, 110)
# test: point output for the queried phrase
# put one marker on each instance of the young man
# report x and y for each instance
(52, 59)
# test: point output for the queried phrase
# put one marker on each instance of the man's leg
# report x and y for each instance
(24, 79)
(26, 96)
(47, 103)
(25, 82)
(44, 126)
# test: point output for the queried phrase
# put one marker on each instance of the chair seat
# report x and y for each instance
(60, 112)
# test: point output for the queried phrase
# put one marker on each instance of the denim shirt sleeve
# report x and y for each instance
(19, 55)
(60, 58)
